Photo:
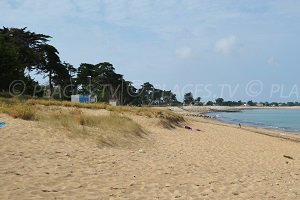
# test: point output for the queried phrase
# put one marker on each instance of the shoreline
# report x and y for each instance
(200, 112)
(280, 130)
(288, 135)
(295, 132)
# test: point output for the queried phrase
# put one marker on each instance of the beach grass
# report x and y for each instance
(18, 110)
(113, 128)
(27, 107)
(107, 130)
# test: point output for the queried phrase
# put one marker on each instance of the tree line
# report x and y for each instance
(23, 51)
(189, 100)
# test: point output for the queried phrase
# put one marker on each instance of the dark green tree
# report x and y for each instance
(209, 103)
(105, 82)
(19, 50)
(130, 95)
(169, 97)
(219, 101)
(251, 103)
(198, 101)
(146, 93)
(50, 65)
(188, 98)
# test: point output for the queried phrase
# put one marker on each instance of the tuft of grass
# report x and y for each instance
(22, 111)
(107, 130)
(18, 110)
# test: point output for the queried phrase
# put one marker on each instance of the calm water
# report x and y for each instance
(283, 119)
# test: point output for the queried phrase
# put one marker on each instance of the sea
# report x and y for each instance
(280, 119)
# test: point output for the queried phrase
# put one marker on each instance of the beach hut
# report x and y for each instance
(84, 98)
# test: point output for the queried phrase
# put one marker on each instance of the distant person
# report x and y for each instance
(240, 125)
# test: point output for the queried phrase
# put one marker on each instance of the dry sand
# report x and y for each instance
(221, 162)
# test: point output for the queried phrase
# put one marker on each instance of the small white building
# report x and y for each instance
(113, 102)
(83, 98)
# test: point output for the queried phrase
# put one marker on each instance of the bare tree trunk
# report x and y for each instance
(50, 84)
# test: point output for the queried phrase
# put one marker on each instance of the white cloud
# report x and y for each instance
(273, 62)
(227, 45)
(183, 52)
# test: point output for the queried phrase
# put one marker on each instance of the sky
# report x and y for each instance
(235, 49)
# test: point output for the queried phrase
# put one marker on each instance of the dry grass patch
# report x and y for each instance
(106, 130)
(18, 110)
(168, 119)
(22, 111)
(114, 129)
(52, 102)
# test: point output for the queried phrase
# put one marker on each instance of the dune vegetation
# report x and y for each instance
(12, 106)
(17, 109)
(107, 130)
(112, 129)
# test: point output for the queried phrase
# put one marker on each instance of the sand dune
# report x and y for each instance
(221, 162)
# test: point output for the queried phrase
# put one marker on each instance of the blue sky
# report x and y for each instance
(212, 48)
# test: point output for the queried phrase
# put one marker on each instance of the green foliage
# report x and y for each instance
(188, 98)
(219, 101)
(232, 103)
(19, 50)
(23, 51)
(210, 103)
(198, 102)
(251, 103)
(50, 63)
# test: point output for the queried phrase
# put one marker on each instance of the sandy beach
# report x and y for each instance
(149, 100)
(218, 162)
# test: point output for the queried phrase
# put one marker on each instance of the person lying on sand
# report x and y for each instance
(190, 128)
